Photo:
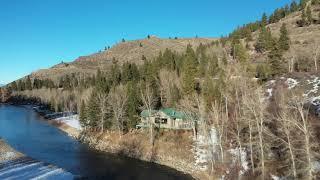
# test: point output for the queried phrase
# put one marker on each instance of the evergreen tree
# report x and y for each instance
(130, 72)
(284, 40)
(92, 111)
(294, 6)
(203, 65)
(190, 71)
(264, 20)
(115, 74)
(14, 86)
(168, 59)
(133, 104)
(21, 85)
(265, 40)
(240, 53)
(28, 83)
(101, 83)
(208, 90)
(315, 2)
(263, 72)
(275, 60)
(82, 114)
(213, 66)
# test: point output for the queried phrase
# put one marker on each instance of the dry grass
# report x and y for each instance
(171, 148)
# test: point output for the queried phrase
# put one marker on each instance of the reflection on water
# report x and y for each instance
(25, 131)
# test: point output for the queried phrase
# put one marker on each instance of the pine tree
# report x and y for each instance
(264, 20)
(82, 114)
(14, 86)
(92, 111)
(294, 6)
(133, 104)
(315, 2)
(284, 40)
(275, 60)
(28, 83)
(240, 53)
(265, 40)
(190, 71)
(203, 65)
(115, 74)
(213, 66)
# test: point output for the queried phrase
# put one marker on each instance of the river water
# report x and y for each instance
(28, 133)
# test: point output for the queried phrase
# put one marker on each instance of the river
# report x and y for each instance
(28, 133)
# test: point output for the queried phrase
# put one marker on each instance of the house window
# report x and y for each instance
(164, 121)
(161, 120)
(157, 120)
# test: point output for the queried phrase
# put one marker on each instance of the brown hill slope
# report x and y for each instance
(130, 51)
(304, 45)
(304, 40)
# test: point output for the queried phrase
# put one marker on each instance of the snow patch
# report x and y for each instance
(72, 120)
(205, 148)
(8, 155)
(291, 83)
(240, 155)
(316, 166)
(269, 91)
(274, 177)
(315, 86)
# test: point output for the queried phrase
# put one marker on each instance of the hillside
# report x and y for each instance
(304, 40)
(249, 102)
(304, 44)
(130, 51)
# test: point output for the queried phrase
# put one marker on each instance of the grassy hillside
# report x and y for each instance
(130, 51)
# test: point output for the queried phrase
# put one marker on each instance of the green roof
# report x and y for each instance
(172, 113)
(146, 113)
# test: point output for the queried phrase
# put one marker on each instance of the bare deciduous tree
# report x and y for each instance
(315, 57)
(148, 100)
(117, 102)
(102, 98)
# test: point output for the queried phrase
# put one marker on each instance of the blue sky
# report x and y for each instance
(37, 34)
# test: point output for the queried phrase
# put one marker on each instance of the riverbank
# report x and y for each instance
(172, 148)
(7, 153)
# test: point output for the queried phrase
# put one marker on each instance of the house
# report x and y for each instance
(167, 118)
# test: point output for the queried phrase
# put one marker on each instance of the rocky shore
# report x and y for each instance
(7, 153)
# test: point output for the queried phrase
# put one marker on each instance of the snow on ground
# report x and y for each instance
(200, 153)
(72, 121)
(291, 83)
(275, 177)
(205, 148)
(316, 166)
(240, 155)
(9, 155)
(315, 86)
(269, 91)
